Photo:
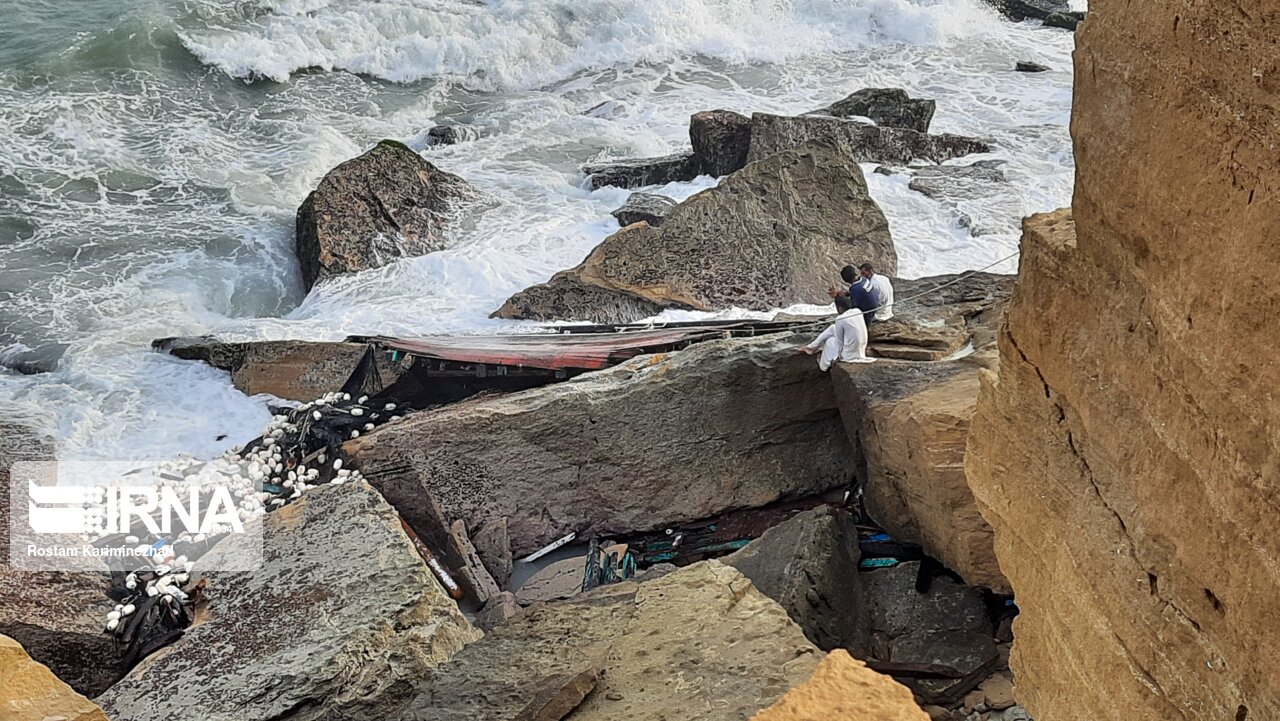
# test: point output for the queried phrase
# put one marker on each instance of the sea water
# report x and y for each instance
(153, 154)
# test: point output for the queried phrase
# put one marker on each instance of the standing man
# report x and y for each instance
(881, 291)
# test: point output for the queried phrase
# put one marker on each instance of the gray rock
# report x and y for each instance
(768, 235)
(1065, 20)
(369, 211)
(959, 187)
(721, 140)
(809, 565)
(898, 610)
(1014, 713)
(475, 577)
(971, 653)
(342, 611)
(291, 369)
(450, 135)
(622, 449)
(1026, 66)
(888, 107)
(559, 580)
(497, 611)
(860, 142)
(697, 643)
(646, 207)
(639, 172)
(1019, 10)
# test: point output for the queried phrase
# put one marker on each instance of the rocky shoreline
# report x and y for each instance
(718, 529)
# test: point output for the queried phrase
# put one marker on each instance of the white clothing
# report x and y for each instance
(845, 340)
(882, 292)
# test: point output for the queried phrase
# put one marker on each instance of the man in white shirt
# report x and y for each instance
(845, 340)
(881, 291)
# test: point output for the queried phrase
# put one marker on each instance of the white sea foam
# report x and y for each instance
(163, 205)
(511, 44)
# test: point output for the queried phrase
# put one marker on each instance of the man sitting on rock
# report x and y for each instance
(881, 292)
(845, 339)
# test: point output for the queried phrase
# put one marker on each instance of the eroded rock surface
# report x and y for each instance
(342, 611)
(721, 140)
(767, 236)
(889, 107)
(644, 207)
(857, 141)
(639, 172)
(30, 692)
(1127, 456)
(623, 449)
(386, 204)
(842, 688)
(699, 643)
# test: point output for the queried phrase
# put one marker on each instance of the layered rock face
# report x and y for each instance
(1128, 456)
(890, 107)
(908, 422)
(386, 204)
(343, 611)
(775, 230)
(660, 439)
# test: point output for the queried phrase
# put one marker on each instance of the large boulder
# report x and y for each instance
(369, 211)
(945, 625)
(908, 423)
(699, 643)
(342, 611)
(57, 616)
(644, 207)
(661, 439)
(859, 142)
(767, 236)
(30, 691)
(1019, 10)
(809, 564)
(1127, 453)
(1064, 20)
(889, 107)
(844, 689)
(291, 369)
(639, 172)
(721, 140)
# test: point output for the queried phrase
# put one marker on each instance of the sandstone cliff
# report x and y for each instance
(1128, 456)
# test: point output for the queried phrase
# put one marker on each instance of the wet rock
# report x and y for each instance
(646, 207)
(951, 182)
(639, 172)
(721, 140)
(622, 449)
(860, 142)
(494, 546)
(767, 236)
(888, 107)
(290, 369)
(1019, 10)
(699, 642)
(56, 616)
(342, 611)
(450, 135)
(1026, 66)
(30, 691)
(386, 204)
(1065, 20)
(844, 689)
(809, 564)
